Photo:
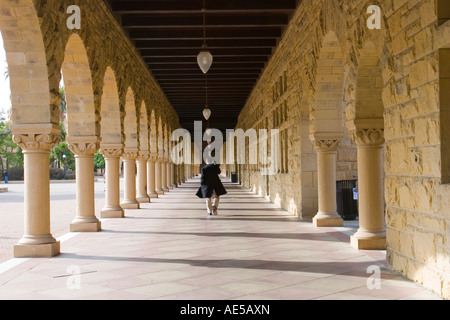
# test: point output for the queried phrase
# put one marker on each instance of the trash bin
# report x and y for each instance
(347, 199)
(234, 177)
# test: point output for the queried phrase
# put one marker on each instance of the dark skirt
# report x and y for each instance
(207, 191)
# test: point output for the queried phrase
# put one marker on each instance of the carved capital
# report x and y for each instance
(130, 155)
(367, 132)
(160, 158)
(83, 146)
(368, 137)
(153, 157)
(111, 151)
(326, 145)
(32, 141)
(326, 142)
(143, 156)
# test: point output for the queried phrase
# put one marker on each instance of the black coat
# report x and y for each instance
(210, 182)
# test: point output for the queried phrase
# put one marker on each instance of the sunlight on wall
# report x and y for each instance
(277, 200)
(293, 207)
(5, 92)
(260, 192)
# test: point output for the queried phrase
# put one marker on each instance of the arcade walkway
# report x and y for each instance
(170, 250)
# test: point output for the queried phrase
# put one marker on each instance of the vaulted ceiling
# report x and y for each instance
(240, 34)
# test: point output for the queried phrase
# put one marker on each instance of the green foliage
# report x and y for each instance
(63, 105)
(57, 154)
(99, 161)
(9, 151)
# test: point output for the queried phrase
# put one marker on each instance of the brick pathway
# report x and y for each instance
(170, 250)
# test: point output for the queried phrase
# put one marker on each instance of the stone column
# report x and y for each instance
(174, 175)
(169, 174)
(164, 175)
(326, 147)
(129, 167)
(179, 174)
(371, 234)
(112, 207)
(158, 175)
(151, 176)
(142, 186)
(84, 149)
(37, 240)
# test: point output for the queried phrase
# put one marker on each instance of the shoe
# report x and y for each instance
(215, 211)
(209, 214)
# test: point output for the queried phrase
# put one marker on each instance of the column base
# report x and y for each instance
(112, 213)
(368, 243)
(160, 192)
(153, 195)
(143, 199)
(166, 189)
(130, 205)
(328, 222)
(37, 250)
(85, 226)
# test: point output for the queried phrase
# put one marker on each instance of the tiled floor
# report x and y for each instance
(170, 249)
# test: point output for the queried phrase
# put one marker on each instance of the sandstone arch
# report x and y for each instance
(79, 90)
(110, 122)
(130, 122)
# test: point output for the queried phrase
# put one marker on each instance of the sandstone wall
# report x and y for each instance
(36, 35)
(398, 73)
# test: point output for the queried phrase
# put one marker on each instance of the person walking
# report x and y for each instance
(211, 188)
(6, 176)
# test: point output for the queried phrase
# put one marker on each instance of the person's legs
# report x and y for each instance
(209, 206)
(215, 203)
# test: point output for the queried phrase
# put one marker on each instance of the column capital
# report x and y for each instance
(130, 154)
(160, 158)
(153, 157)
(368, 136)
(83, 146)
(326, 142)
(143, 156)
(367, 132)
(111, 150)
(35, 137)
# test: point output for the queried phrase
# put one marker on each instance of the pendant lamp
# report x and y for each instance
(206, 113)
(204, 58)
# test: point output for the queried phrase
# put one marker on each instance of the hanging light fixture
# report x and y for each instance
(207, 110)
(204, 58)
(207, 113)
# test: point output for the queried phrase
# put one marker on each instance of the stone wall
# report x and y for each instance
(397, 75)
(36, 37)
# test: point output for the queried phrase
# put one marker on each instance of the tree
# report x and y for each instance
(57, 154)
(99, 161)
(10, 153)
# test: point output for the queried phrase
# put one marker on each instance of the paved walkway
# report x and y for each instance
(170, 250)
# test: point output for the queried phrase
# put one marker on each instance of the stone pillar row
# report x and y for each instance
(326, 148)
(153, 173)
(368, 134)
